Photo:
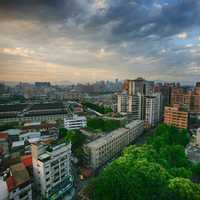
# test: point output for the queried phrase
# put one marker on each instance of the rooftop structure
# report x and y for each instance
(75, 122)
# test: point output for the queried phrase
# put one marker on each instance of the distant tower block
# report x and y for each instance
(198, 136)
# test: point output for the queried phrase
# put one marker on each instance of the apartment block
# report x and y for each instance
(122, 103)
(99, 151)
(175, 117)
(138, 85)
(135, 103)
(51, 169)
(152, 110)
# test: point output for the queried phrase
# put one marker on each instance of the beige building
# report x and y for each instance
(99, 151)
(175, 117)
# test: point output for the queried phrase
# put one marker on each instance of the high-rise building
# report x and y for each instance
(197, 88)
(51, 169)
(135, 103)
(175, 117)
(195, 99)
(138, 85)
(180, 97)
(165, 90)
(140, 102)
(152, 109)
(122, 103)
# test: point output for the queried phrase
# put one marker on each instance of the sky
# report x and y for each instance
(89, 40)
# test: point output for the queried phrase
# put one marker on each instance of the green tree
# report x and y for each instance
(158, 170)
(183, 189)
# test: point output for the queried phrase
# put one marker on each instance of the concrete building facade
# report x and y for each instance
(175, 117)
(75, 122)
(99, 151)
(51, 169)
(152, 110)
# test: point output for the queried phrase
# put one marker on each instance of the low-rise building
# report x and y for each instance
(51, 168)
(99, 151)
(75, 122)
(19, 183)
(175, 117)
(32, 112)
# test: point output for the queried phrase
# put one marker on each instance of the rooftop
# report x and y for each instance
(134, 124)
(32, 124)
(113, 134)
(46, 106)
(13, 131)
(106, 138)
(3, 135)
(27, 160)
(12, 107)
(17, 144)
(44, 157)
(19, 175)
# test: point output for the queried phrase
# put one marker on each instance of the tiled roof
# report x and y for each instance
(19, 176)
(27, 160)
(3, 135)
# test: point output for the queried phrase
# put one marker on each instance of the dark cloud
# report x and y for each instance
(134, 35)
(43, 10)
(140, 18)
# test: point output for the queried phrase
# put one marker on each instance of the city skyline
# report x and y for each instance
(89, 40)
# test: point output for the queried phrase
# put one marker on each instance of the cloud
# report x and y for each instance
(17, 51)
(122, 37)
(182, 35)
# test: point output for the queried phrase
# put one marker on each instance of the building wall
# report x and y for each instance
(102, 151)
(21, 193)
(75, 122)
(152, 110)
(34, 118)
(122, 103)
(53, 171)
(173, 116)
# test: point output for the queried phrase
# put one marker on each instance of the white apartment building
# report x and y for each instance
(152, 109)
(99, 151)
(75, 122)
(51, 169)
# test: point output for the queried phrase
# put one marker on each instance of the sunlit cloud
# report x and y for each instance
(182, 35)
(83, 40)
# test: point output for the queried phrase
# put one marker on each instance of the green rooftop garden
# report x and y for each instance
(99, 108)
(99, 125)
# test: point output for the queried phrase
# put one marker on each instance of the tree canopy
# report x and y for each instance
(157, 170)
